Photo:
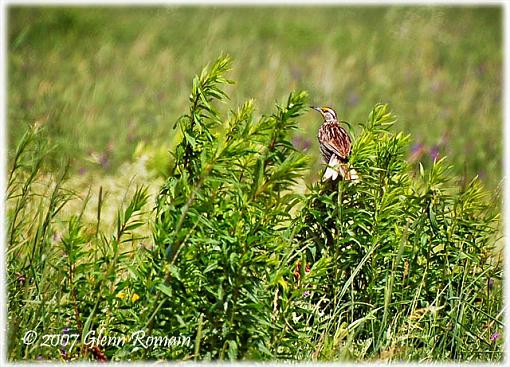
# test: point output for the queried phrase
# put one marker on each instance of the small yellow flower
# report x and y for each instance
(135, 297)
(121, 295)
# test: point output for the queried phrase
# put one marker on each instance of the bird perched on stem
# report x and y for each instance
(335, 145)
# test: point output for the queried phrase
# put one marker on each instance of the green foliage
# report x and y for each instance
(64, 277)
(399, 246)
(221, 216)
(242, 266)
(101, 87)
(379, 251)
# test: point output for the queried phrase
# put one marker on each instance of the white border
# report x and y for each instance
(3, 123)
(506, 171)
(255, 2)
(3, 170)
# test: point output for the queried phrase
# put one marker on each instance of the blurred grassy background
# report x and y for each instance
(104, 80)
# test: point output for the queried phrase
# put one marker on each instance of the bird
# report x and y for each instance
(335, 145)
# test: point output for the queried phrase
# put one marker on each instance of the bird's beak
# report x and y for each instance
(318, 109)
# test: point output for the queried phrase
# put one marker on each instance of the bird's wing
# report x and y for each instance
(338, 141)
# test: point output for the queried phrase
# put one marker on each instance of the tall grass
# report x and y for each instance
(62, 272)
(102, 89)
(235, 263)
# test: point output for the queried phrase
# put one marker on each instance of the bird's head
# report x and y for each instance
(327, 113)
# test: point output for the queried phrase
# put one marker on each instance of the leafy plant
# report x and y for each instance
(220, 216)
(63, 273)
(243, 266)
(398, 246)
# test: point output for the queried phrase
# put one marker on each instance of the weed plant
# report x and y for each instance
(236, 264)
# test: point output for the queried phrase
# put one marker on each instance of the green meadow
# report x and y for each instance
(105, 80)
(146, 194)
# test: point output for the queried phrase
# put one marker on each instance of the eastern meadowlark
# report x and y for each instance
(335, 144)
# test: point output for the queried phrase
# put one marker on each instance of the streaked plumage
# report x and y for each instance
(335, 145)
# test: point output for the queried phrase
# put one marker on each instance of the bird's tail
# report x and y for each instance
(335, 168)
(332, 170)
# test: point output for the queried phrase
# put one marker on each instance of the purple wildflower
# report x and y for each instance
(434, 152)
(301, 143)
(495, 336)
(104, 160)
(306, 294)
(416, 152)
(490, 283)
(416, 148)
(307, 144)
